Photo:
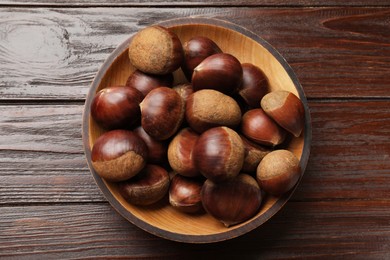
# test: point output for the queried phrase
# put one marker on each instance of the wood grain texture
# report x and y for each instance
(42, 160)
(53, 53)
(139, 3)
(329, 230)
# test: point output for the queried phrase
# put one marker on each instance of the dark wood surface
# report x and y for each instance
(50, 206)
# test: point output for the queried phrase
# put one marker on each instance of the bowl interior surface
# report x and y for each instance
(161, 219)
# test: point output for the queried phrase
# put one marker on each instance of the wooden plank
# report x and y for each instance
(357, 229)
(350, 155)
(53, 53)
(42, 160)
(138, 3)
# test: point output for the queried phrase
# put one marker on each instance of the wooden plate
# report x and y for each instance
(161, 219)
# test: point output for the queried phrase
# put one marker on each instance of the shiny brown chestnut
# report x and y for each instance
(195, 51)
(257, 126)
(147, 82)
(118, 155)
(184, 194)
(209, 108)
(156, 50)
(254, 85)
(184, 90)
(162, 112)
(221, 71)
(157, 149)
(254, 153)
(219, 154)
(286, 109)
(147, 187)
(234, 201)
(116, 107)
(278, 172)
(180, 153)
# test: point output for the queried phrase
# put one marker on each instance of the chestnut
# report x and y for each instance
(257, 126)
(184, 90)
(195, 51)
(209, 108)
(156, 50)
(221, 71)
(254, 153)
(233, 201)
(147, 82)
(147, 187)
(157, 149)
(184, 194)
(162, 112)
(278, 172)
(219, 154)
(118, 155)
(286, 109)
(180, 152)
(254, 85)
(116, 107)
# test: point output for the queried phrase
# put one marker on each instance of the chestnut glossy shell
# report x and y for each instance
(147, 187)
(233, 201)
(257, 126)
(116, 107)
(219, 154)
(162, 112)
(147, 82)
(221, 71)
(118, 155)
(195, 51)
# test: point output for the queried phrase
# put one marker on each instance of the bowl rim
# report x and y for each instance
(186, 238)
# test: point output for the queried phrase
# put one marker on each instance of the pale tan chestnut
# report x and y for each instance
(286, 109)
(180, 152)
(209, 108)
(147, 187)
(156, 50)
(278, 172)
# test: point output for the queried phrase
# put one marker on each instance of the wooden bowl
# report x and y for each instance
(161, 219)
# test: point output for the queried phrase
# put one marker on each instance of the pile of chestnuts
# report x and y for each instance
(211, 144)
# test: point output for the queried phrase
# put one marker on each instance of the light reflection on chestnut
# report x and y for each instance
(219, 154)
(147, 82)
(147, 187)
(257, 126)
(118, 155)
(184, 194)
(222, 72)
(162, 113)
(116, 107)
(233, 201)
(195, 51)
(254, 85)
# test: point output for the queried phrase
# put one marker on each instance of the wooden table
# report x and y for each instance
(50, 206)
